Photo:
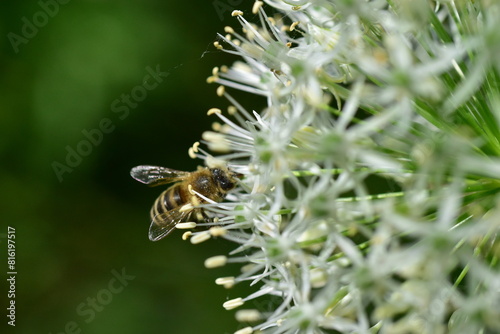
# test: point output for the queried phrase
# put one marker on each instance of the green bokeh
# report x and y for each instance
(72, 231)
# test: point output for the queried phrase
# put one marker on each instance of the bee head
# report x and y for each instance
(224, 178)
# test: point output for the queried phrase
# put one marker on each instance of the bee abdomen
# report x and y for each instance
(168, 200)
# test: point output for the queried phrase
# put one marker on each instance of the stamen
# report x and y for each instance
(246, 330)
(256, 6)
(233, 303)
(217, 231)
(212, 162)
(218, 46)
(191, 153)
(206, 199)
(216, 142)
(228, 281)
(250, 315)
(220, 90)
(186, 225)
(212, 111)
(186, 207)
(195, 201)
(216, 126)
(200, 237)
(212, 79)
(216, 261)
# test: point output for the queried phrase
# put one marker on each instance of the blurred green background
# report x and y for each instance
(64, 68)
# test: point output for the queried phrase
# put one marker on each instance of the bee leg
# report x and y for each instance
(206, 217)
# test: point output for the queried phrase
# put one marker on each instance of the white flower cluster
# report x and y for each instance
(369, 198)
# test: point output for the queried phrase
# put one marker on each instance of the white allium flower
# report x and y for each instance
(369, 198)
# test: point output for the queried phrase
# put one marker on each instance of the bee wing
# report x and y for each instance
(156, 175)
(164, 223)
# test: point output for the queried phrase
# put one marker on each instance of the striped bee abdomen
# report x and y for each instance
(170, 199)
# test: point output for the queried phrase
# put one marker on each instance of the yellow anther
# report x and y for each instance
(213, 111)
(218, 46)
(220, 90)
(256, 6)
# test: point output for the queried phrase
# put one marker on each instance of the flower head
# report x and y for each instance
(369, 196)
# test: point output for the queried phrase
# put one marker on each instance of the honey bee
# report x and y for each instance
(189, 189)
